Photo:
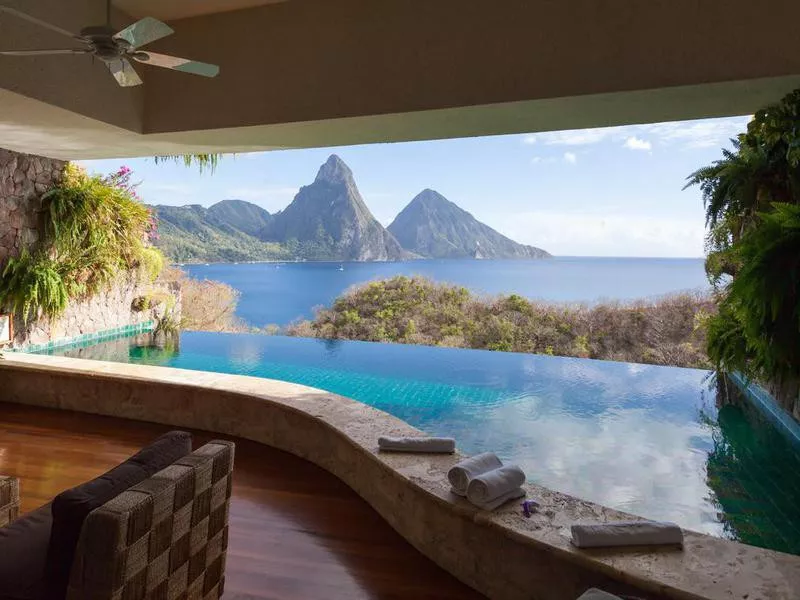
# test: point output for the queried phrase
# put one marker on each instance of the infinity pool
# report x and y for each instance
(643, 439)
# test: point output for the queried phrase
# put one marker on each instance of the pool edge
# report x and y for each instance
(492, 552)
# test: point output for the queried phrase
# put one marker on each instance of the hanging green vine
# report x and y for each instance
(95, 229)
(752, 199)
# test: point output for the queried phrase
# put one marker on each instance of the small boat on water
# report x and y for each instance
(341, 268)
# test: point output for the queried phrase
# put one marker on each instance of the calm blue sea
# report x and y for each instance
(280, 293)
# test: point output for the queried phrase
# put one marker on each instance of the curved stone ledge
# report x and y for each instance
(501, 554)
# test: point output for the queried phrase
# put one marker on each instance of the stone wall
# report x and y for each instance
(23, 180)
(110, 310)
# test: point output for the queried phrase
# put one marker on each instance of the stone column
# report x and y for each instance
(23, 180)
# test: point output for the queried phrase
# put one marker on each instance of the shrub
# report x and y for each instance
(670, 330)
(206, 305)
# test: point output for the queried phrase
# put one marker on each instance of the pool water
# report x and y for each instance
(644, 439)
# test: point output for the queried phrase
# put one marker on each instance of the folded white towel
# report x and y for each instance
(461, 474)
(595, 594)
(417, 444)
(626, 533)
(491, 485)
(499, 501)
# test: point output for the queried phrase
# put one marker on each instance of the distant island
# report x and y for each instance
(329, 220)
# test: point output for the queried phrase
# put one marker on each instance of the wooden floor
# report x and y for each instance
(296, 531)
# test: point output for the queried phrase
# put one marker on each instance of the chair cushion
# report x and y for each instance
(23, 551)
(71, 508)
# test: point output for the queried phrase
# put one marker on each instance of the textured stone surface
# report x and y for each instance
(23, 179)
(108, 310)
(501, 554)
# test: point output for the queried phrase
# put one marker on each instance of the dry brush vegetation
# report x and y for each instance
(206, 305)
(412, 310)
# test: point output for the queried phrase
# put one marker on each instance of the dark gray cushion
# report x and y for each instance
(71, 508)
(23, 552)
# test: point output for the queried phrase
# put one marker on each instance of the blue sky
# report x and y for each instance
(615, 191)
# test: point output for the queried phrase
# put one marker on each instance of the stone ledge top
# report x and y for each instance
(707, 568)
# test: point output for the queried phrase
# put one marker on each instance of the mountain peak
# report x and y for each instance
(329, 220)
(335, 170)
(429, 197)
(434, 227)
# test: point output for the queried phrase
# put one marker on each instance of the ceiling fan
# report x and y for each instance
(116, 50)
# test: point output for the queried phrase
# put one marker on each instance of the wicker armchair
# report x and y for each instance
(164, 538)
(9, 500)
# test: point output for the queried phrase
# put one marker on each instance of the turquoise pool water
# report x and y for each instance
(644, 439)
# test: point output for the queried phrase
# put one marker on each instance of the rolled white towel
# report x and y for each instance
(461, 474)
(595, 594)
(417, 444)
(510, 495)
(488, 487)
(626, 533)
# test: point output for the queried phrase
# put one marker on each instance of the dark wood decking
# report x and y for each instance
(296, 530)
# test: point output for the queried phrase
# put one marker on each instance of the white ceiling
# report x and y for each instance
(171, 10)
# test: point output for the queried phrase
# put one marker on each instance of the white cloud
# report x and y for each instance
(570, 157)
(698, 134)
(635, 143)
(603, 231)
(704, 133)
(575, 137)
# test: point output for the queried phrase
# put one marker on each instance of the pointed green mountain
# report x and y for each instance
(433, 227)
(328, 220)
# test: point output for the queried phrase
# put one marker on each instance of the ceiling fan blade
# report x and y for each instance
(43, 52)
(144, 32)
(177, 64)
(124, 73)
(35, 21)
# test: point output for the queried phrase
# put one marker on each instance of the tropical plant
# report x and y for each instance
(757, 330)
(32, 283)
(96, 228)
(762, 168)
(202, 161)
(752, 199)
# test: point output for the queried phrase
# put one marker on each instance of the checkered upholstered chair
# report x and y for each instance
(164, 539)
(9, 500)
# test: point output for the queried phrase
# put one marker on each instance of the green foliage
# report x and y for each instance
(414, 310)
(763, 168)
(203, 162)
(189, 234)
(752, 199)
(33, 283)
(151, 264)
(760, 334)
(95, 230)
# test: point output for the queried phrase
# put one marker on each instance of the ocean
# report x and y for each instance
(279, 293)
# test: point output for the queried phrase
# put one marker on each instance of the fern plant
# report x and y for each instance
(32, 284)
(752, 199)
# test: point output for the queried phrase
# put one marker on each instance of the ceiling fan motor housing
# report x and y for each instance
(103, 43)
